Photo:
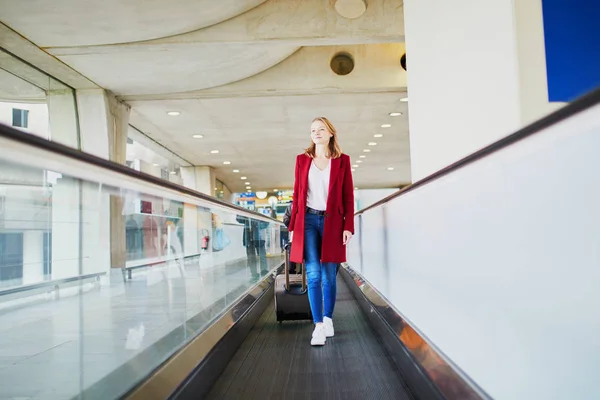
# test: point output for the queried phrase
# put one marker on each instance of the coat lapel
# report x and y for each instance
(336, 164)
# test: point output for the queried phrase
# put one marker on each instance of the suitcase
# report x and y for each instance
(291, 293)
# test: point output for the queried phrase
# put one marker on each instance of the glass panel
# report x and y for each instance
(155, 267)
(35, 103)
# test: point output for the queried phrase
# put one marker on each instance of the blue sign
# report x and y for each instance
(572, 39)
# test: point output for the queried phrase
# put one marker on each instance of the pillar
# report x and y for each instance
(201, 179)
(89, 222)
(477, 77)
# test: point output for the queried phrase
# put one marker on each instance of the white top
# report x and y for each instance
(318, 187)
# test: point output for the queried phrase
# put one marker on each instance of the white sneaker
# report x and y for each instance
(328, 324)
(318, 336)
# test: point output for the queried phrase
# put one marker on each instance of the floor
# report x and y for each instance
(276, 361)
(56, 349)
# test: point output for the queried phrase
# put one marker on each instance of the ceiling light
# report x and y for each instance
(352, 170)
(390, 168)
(366, 151)
(378, 135)
(363, 156)
(404, 99)
(386, 126)
(355, 166)
(276, 190)
(248, 187)
(198, 136)
(226, 162)
(243, 178)
(173, 113)
(249, 191)
(235, 171)
(395, 114)
(247, 183)
(356, 188)
(155, 164)
(372, 144)
(172, 172)
(214, 152)
(358, 161)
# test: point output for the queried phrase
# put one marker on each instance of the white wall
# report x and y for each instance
(498, 263)
(478, 76)
(38, 117)
(365, 197)
(33, 257)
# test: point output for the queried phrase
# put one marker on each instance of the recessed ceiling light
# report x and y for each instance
(249, 191)
(404, 99)
(198, 136)
(248, 187)
(173, 113)
(386, 126)
(372, 144)
(243, 178)
(355, 166)
(352, 170)
(366, 151)
(226, 162)
(276, 190)
(155, 164)
(358, 161)
(390, 168)
(235, 171)
(362, 156)
(395, 114)
(247, 183)
(378, 135)
(214, 152)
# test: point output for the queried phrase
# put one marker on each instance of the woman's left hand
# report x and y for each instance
(347, 237)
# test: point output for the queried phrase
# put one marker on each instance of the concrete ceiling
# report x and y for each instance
(248, 75)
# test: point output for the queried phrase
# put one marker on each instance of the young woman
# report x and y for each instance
(322, 220)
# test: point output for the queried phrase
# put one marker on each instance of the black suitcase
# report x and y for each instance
(291, 293)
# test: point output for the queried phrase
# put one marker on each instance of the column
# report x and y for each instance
(88, 221)
(201, 179)
(477, 77)
(65, 225)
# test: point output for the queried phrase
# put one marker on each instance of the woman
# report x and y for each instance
(322, 220)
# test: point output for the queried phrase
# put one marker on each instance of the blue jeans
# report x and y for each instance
(320, 276)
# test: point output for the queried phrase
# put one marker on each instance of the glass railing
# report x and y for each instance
(105, 274)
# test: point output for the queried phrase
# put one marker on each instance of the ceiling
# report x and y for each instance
(248, 75)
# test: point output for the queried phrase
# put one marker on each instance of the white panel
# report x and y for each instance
(498, 263)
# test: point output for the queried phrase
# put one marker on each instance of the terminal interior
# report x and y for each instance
(141, 142)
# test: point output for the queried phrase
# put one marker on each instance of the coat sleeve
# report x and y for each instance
(348, 197)
(294, 199)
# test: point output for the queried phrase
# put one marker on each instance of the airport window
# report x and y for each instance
(20, 118)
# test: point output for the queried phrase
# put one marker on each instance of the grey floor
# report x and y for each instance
(276, 361)
(57, 349)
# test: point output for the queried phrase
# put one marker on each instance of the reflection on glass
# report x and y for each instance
(179, 266)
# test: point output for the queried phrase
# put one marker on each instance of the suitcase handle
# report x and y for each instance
(287, 248)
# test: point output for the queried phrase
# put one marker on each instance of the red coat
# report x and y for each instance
(339, 215)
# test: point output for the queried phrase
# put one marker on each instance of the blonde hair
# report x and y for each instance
(334, 148)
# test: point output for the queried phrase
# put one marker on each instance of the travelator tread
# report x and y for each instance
(276, 361)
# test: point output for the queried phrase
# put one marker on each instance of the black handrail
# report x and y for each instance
(582, 103)
(41, 143)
